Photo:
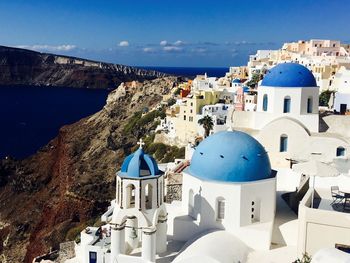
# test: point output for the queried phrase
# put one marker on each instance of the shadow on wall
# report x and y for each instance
(201, 217)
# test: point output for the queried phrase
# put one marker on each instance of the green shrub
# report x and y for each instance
(305, 259)
(138, 121)
(324, 97)
(177, 91)
(171, 102)
(132, 122)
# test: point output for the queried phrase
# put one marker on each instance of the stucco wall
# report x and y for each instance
(320, 228)
(298, 106)
(238, 209)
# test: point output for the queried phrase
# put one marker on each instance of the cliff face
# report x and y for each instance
(72, 179)
(25, 67)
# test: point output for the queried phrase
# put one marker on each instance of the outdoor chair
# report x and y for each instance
(337, 196)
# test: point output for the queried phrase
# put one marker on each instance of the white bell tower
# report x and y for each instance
(139, 222)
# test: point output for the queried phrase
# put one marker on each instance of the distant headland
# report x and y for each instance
(26, 67)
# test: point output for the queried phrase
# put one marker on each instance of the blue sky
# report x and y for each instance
(169, 32)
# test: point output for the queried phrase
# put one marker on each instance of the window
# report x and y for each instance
(191, 203)
(220, 209)
(130, 196)
(309, 105)
(286, 105)
(184, 117)
(340, 151)
(190, 118)
(265, 102)
(149, 195)
(161, 193)
(92, 257)
(283, 143)
(255, 211)
(118, 194)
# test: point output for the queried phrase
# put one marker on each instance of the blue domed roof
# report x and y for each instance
(230, 157)
(139, 164)
(246, 89)
(289, 75)
(236, 81)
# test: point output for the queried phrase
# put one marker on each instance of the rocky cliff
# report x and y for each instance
(48, 196)
(25, 67)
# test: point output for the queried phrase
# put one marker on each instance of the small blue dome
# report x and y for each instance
(139, 164)
(246, 89)
(289, 75)
(230, 157)
(236, 81)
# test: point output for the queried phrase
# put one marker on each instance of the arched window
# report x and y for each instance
(309, 105)
(340, 151)
(149, 195)
(286, 104)
(220, 208)
(283, 143)
(130, 196)
(118, 192)
(161, 193)
(191, 202)
(265, 102)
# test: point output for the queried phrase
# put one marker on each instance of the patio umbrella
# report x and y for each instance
(315, 168)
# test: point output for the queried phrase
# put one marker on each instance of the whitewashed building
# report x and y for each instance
(286, 120)
(341, 85)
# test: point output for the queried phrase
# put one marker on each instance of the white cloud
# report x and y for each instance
(124, 43)
(172, 49)
(179, 43)
(163, 43)
(199, 50)
(148, 50)
(48, 47)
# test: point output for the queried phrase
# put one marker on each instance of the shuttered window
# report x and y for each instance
(221, 209)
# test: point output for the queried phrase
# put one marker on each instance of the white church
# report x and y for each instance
(231, 208)
(229, 187)
(286, 121)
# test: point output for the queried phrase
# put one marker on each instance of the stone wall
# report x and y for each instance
(66, 251)
(173, 187)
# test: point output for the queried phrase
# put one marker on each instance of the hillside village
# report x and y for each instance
(260, 165)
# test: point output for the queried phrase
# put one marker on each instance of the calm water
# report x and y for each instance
(31, 116)
(191, 72)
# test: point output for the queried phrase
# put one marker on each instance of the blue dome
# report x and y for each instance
(246, 89)
(230, 157)
(139, 164)
(289, 75)
(236, 81)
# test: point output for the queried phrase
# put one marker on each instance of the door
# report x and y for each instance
(343, 108)
(92, 257)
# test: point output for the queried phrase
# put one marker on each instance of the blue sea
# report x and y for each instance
(31, 116)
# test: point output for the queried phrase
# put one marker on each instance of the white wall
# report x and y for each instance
(298, 106)
(341, 98)
(320, 228)
(238, 209)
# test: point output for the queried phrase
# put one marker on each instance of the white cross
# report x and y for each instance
(141, 143)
